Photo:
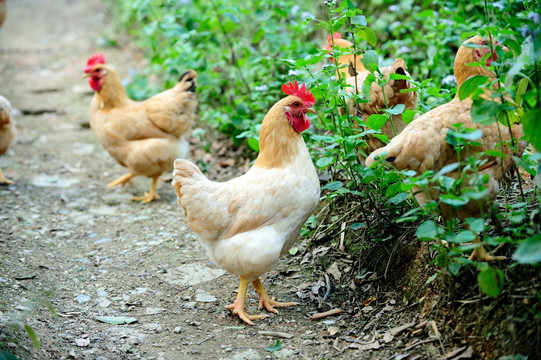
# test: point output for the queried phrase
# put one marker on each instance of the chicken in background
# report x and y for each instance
(378, 95)
(7, 133)
(143, 136)
(422, 144)
(247, 223)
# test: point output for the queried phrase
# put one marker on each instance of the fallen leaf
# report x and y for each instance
(274, 347)
(333, 330)
(334, 271)
(397, 330)
(369, 301)
(370, 346)
(116, 320)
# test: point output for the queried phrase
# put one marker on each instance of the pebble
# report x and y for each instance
(203, 296)
(83, 298)
(177, 330)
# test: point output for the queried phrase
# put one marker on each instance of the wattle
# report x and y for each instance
(301, 123)
(95, 84)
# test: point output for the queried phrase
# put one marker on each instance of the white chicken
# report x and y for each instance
(247, 223)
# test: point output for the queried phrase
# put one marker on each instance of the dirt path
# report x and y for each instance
(70, 244)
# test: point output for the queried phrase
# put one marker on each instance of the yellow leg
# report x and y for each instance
(481, 253)
(238, 305)
(151, 195)
(121, 180)
(266, 301)
(3, 180)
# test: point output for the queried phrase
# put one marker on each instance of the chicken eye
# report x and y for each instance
(296, 104)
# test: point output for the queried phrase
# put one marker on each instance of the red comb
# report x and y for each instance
(336, 36)
(93, 60)
(302, 92)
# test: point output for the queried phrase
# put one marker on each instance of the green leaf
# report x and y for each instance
(398, 198)
(529, 251)
(335, 185)
(357, 225)
(531, 123)
(258, 35)
(477, 225)
(453, 200)
(7, 356)
(367, 85)
(491, 281)
(324, 161)
(395, 76)
(428, 230)
(368, 35)
(397, 110)
(274, 347)
(484, 112)
(359, 20)
(432, 278)
(115, 320)
(32, 336)
(376, 121)
(293, 251)
(471, 84)
(370, 60)
(408, 115)
(253, 143)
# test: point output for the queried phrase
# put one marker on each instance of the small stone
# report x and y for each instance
(103, 303)
(82, 298)
(189, 305)
(203, 296)
(177, 330)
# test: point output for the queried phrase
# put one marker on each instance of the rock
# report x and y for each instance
(177, 330)
(103, 303)
(153, 311)
(82, 298)
(203, 296)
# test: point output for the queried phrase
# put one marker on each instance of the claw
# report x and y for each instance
(238, 305)
(266, 302)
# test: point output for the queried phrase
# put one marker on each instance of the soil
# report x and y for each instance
(72, 250)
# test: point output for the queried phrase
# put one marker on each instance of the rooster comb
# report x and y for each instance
(94, 60)
(302, 92)
(335, 35)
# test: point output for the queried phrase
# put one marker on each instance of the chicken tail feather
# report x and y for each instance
(183, 171)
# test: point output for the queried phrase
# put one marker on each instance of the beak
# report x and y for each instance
(86, 75)
(310, 110)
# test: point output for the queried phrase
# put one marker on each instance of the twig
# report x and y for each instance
(30, 277)
(205, 339)
(326, 313)
(279, 334)
(420, 343)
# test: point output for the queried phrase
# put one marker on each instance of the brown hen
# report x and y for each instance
(422, 145)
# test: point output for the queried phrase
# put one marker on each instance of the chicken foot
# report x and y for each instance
(121, 180)
(3, 180)
(238, 305)
(481, 253)
(151, 195)
(266, 301)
